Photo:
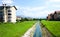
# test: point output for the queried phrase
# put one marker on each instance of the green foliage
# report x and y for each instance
(15, 30)
(53, 27)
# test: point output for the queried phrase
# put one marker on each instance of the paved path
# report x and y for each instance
(38, 32)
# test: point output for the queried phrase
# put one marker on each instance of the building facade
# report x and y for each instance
(7, 13)
(54, 16)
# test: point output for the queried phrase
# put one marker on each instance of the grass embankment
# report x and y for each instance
(53, 27)
(15, 30)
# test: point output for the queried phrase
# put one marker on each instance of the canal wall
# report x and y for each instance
(45, 31)
(30, 32)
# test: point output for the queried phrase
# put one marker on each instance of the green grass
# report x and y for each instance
(53, 27)
(15, 30)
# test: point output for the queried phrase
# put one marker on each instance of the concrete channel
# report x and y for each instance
(34, 31)
(38, 32)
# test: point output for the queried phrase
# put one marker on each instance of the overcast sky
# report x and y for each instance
(34, 8)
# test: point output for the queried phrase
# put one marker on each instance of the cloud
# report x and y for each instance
(36, 12)
(54, 0)
(53, 4)
(40, 11)
(7, 1)
(58, 6)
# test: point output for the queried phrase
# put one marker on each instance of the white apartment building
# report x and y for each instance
(7, 13)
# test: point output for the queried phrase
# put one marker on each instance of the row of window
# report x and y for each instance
(9, 17)
(9, 12)
(1, 17)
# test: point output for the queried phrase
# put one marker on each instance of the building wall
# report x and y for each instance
(1, 16)
(13, 14)
(8, 16)
(5, 14)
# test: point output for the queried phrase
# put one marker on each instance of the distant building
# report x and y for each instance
(18, 18)
(7, 13)
(54, 16)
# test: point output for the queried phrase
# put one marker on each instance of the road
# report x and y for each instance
(38, 32)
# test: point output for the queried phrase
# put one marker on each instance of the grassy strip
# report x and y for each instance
(15, 30)
(53, 27)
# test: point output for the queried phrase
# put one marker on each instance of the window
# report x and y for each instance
(9, 17)
(9, 20)
(9, 10)
(9, 13)
(1, 13)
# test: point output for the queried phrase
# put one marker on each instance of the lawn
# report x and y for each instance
(53, 27)
(15, 30)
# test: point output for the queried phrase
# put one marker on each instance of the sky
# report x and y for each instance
(34, 8)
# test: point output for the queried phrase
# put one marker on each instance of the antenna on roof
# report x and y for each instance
(4, 4)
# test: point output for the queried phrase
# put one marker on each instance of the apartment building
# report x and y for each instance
(7, 13)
